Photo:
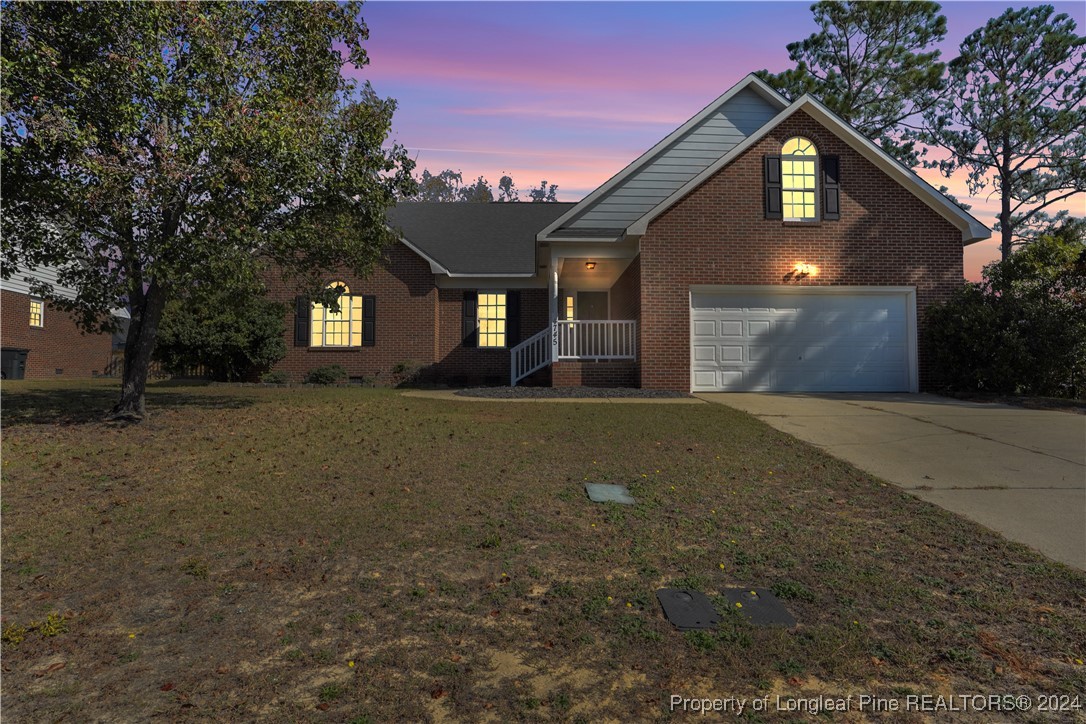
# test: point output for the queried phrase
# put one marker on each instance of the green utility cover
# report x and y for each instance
(603, 493)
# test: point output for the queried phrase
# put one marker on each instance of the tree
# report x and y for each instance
(154, 148)
(444, 186)
(1022, 328)
(544, 194)
(448, 186)
(478, 192)
(1014, 116)
(230, 332)
(507, 190)
(872, 63)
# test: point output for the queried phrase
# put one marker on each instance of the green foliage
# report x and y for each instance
(275, 377)
(1014, 115)
(13, 634)
(327, 375)
(792, 590)
(1022, 329)
(232, 333)
(872, 63)
(154, 148)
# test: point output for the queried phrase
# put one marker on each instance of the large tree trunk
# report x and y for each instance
(139, 345)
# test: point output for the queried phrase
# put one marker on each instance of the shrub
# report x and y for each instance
(1022, 329)
(327, 375)
(231, 332)
(276, 377)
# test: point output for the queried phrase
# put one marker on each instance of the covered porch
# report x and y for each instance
(594, 313)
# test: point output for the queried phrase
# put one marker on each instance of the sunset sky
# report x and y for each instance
(571, 92)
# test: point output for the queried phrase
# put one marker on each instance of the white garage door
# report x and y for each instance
(789, 339)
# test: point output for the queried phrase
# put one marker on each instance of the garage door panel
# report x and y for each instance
(813, 341)
(704, 328)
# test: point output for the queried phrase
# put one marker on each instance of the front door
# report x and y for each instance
(592, 305)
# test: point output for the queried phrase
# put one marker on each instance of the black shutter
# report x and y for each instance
(470, 324)
(831, 185)
(773, 187)
(369, 319)
(302, 310)
(512, 319)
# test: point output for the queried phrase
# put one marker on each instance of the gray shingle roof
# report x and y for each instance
(468, 238)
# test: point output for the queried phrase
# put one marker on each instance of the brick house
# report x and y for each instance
(763, 245)
(39, 341)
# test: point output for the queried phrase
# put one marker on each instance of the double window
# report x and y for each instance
(337, 329)
(37, 313)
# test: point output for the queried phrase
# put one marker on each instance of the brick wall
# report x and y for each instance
(416, 322)
(58, 345)
(459, 365)
(594, 373)
(404, 328)
(718, 235)
(626, 293)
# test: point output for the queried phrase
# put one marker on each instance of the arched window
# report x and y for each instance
(799, 171)
(338, 329)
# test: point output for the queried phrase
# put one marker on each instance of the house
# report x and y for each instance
(763, 245)
(39, 341)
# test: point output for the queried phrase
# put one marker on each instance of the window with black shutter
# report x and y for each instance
(831, 185)
(772, 187)
(301, 321)
(369, 319)
(469, 322)
(512, 323)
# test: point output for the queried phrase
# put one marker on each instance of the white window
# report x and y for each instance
(569, 307)
(37, 313)
(491, 319)
(799, 167)
(337, 329)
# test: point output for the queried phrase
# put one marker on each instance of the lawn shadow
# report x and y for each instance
(46, 405)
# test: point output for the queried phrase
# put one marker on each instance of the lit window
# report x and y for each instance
(569, 307)
(491, 319)
(338, 329)
(37, 313)
(799, 161)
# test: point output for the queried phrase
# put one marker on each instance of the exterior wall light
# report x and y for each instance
(802, 270)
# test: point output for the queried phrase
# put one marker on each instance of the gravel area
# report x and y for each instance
(513, 393)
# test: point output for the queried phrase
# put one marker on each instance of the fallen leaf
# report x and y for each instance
(437, 693)
(168, 686)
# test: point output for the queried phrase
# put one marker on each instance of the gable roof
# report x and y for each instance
(681, 155)
(472, 239)
(972, 230)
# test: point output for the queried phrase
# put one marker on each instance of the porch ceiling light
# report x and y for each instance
(590, 265)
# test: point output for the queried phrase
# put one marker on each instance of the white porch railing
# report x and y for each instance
(597, 339)
(577, 339)
(530, 355)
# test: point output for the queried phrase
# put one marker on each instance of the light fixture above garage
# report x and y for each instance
(802, 269)
(590, 265)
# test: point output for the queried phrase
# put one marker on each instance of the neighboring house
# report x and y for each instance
(761, 246)
(39, 341)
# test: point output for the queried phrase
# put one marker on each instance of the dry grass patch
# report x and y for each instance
(354, 555)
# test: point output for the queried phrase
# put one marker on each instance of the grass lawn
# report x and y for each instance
(353, 555)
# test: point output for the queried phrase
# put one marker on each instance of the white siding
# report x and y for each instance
(684, 159)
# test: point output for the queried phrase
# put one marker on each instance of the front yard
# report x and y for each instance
(354, 555)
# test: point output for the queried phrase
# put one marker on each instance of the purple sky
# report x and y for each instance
(571, 92)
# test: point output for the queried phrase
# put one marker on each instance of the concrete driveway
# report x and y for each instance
(1019, 472)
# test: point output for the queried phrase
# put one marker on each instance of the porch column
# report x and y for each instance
(554, 307)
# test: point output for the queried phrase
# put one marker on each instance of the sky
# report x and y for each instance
(571, 92)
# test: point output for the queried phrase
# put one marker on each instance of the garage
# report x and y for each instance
(803, 339)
